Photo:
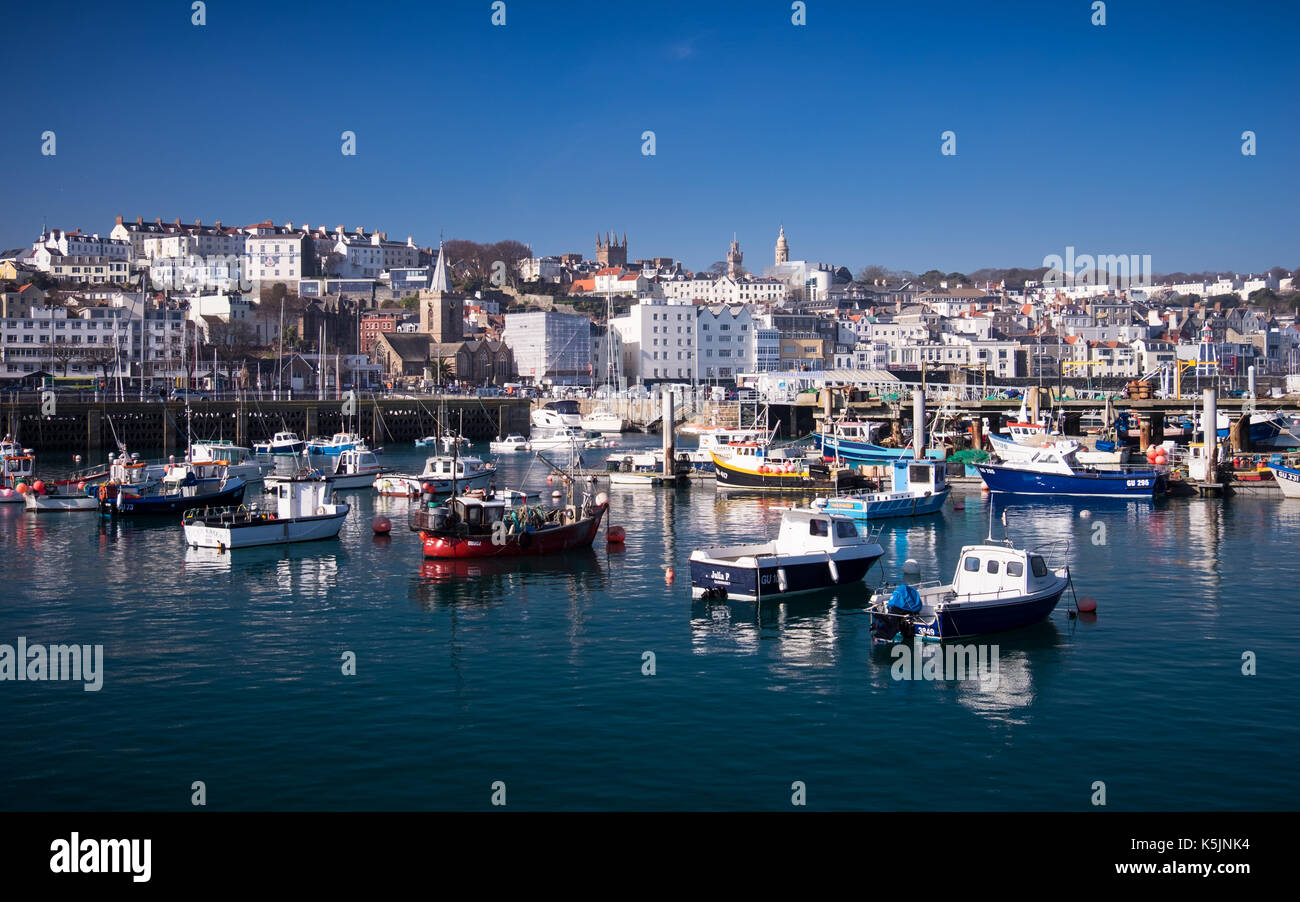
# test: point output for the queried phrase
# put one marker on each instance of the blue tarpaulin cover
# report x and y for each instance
(905, 598)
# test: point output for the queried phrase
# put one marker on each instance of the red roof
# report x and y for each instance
(609, 271)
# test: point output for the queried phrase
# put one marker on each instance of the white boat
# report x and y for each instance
(508, 445)
(282, 443)
(643, 468)
(1009, 450)
(352, 469)
(548, 439)
(996, 588)
(438, 475)
(240, 461)
(812, 551)
(557, 414)
(301, 514)
(57, 501)
(1288, 480)
(336, 444)
(604, 421)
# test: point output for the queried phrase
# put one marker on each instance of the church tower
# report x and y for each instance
(611, 253)
(734, 256)
(782, 249)
(442, 311)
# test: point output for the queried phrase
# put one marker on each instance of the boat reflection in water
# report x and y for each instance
(490, 581)
(295, 571)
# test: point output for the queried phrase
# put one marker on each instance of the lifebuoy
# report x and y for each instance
(571, 514)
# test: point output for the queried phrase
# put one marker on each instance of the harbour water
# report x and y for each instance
(227, 669)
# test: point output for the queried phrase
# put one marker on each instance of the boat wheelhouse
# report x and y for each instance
(238, 460)
(812, 550)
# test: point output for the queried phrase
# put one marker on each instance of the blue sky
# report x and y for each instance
(1117, 139)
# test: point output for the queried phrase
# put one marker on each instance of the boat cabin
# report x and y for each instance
(475, 514)
(805, 530)
(919, 476)
(996, 571)
(354, 461)
(212, 451)
(445, 467)
(296, 498)
(17, 466)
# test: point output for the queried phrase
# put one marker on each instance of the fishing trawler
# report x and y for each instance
(481, 525)
(762, 467)
(919, 487)
(302, 513)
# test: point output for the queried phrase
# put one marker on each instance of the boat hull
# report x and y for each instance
(960, 620)
(43, 504)
(809, 479)
(397, 485)
(554, 540)
(864, 452)
(265, 532)
(1288, 480)
(883, 505)
(160, 505)
(1015, 481)
(747, 583)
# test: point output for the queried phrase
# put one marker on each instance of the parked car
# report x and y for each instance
(190, 394)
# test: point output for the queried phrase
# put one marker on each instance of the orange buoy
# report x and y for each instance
(22, 488)
(381, 525)
(39, 486)
(616, 534)
(668, 576)
(81, 486)
(1087, 605)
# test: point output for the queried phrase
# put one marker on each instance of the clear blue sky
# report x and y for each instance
(1117, 139)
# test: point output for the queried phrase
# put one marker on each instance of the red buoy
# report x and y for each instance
(616, 534)
(21, 488)
(1087, 605)
(381, 525)
(39, 486)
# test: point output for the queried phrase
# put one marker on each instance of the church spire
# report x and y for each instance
(438, 281)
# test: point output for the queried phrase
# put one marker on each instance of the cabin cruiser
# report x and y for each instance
(557, 414)
(438, 477)
(604, 421)
(239, 461)
(282, 443)
(508, 445)
(813, 550)
(996, 587)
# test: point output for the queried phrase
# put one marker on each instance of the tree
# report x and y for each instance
(717, 268)
(872, 273)
(64, 352)
(102, 356)
(233, 341)
(411, 302)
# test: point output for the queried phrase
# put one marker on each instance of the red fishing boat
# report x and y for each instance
(480, 525)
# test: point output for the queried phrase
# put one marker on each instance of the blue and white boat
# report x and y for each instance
(1105, 454)
(851, 443)
(183, 487)
(919, 487)
(1055, 471)
(996, 588)
(336, 444)
(812, 551)
(1288, 480)
(282, 443)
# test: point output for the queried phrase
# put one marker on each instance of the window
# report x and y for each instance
(1037, 565)
(845, 529)
(1015, 568)
(818, 528)
(971, 565)
(991, 566)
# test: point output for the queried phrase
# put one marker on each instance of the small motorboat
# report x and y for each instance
(763, 467)
(1288, 480)
(238, 461)
(55, 499)
(351, 470)
(556, 439)
(17, 473)
(1055, 471)
(996, 587)
(508, 445)
(336, 444)
(920, 487)
(438, 477)
(642, 468)
(557, 414)
(604, 421)
(302, 514)
(281, 443)
(183, 486)
(813, 550)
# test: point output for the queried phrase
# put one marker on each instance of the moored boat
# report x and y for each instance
(281, 443)
(438, 477)
(481, 525)
(302, 513)
(182, 487)
(812, 550)
(996, 587)
(919, 487)
(239, 461)
(1288, 480)
(602, 420)
(763, 468)
(1052, 471)
(54, 500)
(508, 445)
(335, 444)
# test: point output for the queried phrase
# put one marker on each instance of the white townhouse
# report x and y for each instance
(271, 258)
(725, 342)
(355, 257)
(726, 290)
(658, 341)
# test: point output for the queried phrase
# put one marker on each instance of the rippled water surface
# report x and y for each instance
(227, 668)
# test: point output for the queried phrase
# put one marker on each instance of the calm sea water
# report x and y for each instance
(227, 669)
